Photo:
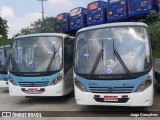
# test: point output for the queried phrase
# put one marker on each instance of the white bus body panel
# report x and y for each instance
(53, 90)
(3, 83)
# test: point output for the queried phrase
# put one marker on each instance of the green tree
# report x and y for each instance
(3, 28)
(153, 21)
(3, 32)
(49, 25)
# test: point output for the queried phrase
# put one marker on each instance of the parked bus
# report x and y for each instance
(64, 23)
(4, 65)
(117, 10)
(96, 13)
(78, 17)
(140, 7)
(41, 65)
(157, 4)
(113, 65)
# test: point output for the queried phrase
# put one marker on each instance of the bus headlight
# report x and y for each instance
(80, 86)
(144, 85)
(57, 80)
(12, 81)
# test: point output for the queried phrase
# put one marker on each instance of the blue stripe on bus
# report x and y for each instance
(120, 86)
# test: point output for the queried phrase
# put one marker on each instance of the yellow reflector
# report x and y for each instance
(110, 13)
(122, 2)
(99, 8)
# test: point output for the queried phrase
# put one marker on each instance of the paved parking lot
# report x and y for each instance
(65, 103)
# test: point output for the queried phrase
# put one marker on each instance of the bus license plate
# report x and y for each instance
(32, 90)
(110, 98)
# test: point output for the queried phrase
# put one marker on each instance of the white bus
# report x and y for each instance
(4, 65)
(113, 65)
(41, 65)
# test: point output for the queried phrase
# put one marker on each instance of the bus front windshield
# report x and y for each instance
(36, 54)
(113, 51)
(4, 59)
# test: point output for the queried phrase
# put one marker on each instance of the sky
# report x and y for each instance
(21, 13)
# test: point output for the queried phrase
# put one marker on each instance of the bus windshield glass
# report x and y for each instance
(113, 51)
(4, 59)
(37, 54)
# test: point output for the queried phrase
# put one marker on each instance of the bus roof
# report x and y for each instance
(97, 1)
(43, 34)
(77, 8)
(118, 24)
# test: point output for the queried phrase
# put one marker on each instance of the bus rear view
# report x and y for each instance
(96, 13)
(39, 66)
(4, 65)
(117, 10)
(63, 20)
(78, 18)
(140, 7)
(113, 65)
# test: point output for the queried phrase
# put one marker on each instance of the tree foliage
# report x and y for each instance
(48, 25)
(3, 28)
(153, 21)
(3, 32)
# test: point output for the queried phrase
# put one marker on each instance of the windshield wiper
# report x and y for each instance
(100, 54)
(51, 60)
(122, 62)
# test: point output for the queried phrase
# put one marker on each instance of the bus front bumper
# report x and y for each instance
(3, 83)
(52, 90)
(140, 99)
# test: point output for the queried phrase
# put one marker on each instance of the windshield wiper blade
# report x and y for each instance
(122, 62)
(51, 60)
(100, 54)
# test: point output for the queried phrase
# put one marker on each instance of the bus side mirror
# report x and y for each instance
(153, 42)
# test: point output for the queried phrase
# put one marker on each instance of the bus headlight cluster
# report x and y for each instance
(80, 86)
(144, 85)
(12, 81)
(57, 80)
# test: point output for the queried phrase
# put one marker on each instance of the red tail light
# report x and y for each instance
(129, 9)
(149, 3)
(124, 9)
(81, 21)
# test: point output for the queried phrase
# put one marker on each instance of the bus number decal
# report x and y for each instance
(75, 12)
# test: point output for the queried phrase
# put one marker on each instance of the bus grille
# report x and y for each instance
(114, 89)
(33, 84)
